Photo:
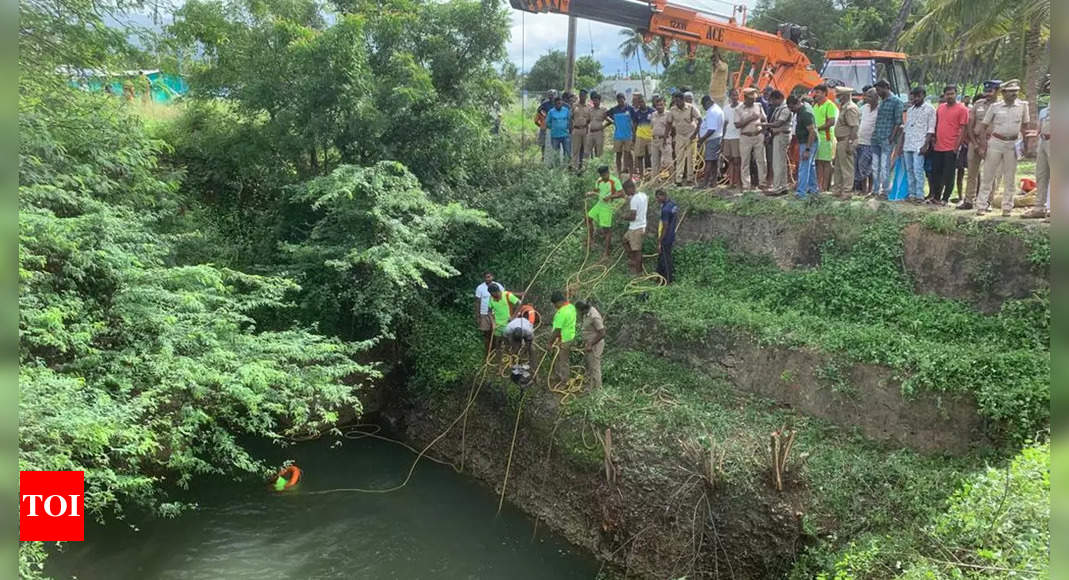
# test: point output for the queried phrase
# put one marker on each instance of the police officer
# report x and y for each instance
(580, 123)
(684, 121)
(595, 136)
(749, 117)
(847, 126)
(974, 134)
(1003, 123)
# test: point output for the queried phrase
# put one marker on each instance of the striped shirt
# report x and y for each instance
(888, 116)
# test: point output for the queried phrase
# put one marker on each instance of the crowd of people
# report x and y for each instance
(823, 141)
(842, 146)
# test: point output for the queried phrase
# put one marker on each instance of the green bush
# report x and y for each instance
(444, 349)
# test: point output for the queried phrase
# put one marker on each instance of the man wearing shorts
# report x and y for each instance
(608, 188)
(643, 134)
(731, 149)
(636, 227)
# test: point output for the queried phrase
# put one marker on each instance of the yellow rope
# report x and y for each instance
(512, 447)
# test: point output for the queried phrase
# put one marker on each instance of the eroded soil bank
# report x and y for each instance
(647, 512)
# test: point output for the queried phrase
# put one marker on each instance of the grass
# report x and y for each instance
(845, 478)
(858, 304)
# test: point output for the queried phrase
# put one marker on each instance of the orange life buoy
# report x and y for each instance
(294, 474)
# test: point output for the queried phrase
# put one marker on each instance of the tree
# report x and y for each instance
(373, 237)
(977, 24)
(547, 72)
(587, 73)
(634, 44)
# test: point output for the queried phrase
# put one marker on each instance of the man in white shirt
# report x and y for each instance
(870, 105)
(709, 135)
(919, 133)
(637, 203)
(731, 148)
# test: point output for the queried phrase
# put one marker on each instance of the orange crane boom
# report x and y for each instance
(774, 60)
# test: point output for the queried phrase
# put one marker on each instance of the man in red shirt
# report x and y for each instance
(951, 119)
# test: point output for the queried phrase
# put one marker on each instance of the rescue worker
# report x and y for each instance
(1003, 123)
(595, 136)
(607, 188)
(974, 135)
(659, 148)
(748, 120)
(580, 123)
(666, 235)
(684, 121)
(593, 343)
(520, 331)
(779, 125)
(636, 228)
(501, 305)
(563, 336)
(847, 126)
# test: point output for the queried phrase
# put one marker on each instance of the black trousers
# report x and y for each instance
(665, 266)
(944, 168)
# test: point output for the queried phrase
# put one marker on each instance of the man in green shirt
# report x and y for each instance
(608, 189)
(824, 115)
(501, 303)
(563, 334)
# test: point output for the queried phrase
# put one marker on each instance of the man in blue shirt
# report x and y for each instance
(643, 138)
(558, 122)
(666, 236)
(620, 117)
(885, 137)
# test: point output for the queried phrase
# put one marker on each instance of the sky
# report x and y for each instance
(536, 34)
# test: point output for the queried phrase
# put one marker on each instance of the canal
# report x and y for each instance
(441, 525)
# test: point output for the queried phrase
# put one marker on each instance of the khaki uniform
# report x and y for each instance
(1043, 160)
(580, 122)
(752, 143)
(1001, 160)
(847, 125)
(685, 122)
(592, 325)
(781, 139)
(562, 366)
(975, 162)
(659, 151)
(595, 137)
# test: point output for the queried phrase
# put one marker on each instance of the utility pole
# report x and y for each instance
(569, 69)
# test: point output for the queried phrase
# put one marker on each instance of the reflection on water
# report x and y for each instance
(442, 525)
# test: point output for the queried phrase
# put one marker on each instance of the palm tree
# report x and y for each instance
(633, 42)
(975, 24)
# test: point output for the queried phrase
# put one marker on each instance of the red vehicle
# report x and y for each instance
(769, 59)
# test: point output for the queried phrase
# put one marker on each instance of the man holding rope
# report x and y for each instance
(563, 335)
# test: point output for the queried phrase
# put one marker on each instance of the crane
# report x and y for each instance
(768, 59)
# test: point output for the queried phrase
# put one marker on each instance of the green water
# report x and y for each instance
(442, 525)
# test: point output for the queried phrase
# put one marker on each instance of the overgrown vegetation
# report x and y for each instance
(224, 272)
